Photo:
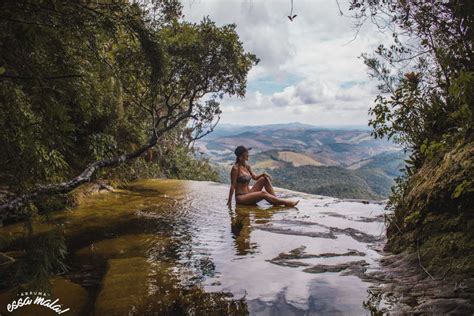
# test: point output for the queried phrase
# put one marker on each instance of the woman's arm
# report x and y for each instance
(252, 174)
(233, 185)
(255, 177)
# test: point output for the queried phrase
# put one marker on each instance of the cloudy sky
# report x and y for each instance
(309, 69)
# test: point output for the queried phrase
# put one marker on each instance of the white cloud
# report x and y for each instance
(326, 82)
(284, 98)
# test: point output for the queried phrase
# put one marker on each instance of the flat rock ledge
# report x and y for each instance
(403, 287)
(357, 268)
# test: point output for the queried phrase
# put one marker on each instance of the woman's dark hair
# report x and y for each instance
(239, 151)
(237, 158)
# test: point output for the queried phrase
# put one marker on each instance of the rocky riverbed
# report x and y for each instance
(173, 246)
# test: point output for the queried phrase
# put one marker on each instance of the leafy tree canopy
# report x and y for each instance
(97, 84)
(426, 104)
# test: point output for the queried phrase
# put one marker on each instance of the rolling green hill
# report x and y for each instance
(371, 181)
(323, 180)
(333, 162)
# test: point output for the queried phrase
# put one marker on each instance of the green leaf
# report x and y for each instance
(461, 188)
(413, 217)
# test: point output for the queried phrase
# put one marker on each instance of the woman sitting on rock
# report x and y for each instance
(240, 176)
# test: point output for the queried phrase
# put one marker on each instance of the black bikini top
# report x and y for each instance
(244, 179)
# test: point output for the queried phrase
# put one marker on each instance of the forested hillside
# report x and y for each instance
(331, 181)
(371, 181)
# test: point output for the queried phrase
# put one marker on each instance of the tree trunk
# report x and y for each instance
(7, 209)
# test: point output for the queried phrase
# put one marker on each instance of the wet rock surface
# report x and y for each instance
(173, 247)
(124, 287)
(352, 265)
(401, 286)
(288, 260)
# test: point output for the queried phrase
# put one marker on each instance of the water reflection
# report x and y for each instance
(240, 227)
(169, 246)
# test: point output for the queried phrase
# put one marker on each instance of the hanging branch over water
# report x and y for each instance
(7, 208)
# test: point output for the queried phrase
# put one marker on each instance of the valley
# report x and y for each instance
(344, 163)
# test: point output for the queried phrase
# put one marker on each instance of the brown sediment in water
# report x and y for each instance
(142, 223)
(70, 295)
(142, 287)
(173, 247)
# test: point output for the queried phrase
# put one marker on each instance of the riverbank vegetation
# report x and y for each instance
(426, 78)
(103, 90)
(85, 86)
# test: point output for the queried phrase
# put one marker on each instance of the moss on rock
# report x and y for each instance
(435, 216)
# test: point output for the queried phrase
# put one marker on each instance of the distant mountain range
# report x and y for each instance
(347, 163)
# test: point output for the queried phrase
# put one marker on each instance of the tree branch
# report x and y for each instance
(199, 135)
(7, 209)
(10, 206)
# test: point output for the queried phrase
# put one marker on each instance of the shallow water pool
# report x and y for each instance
(174, 247)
